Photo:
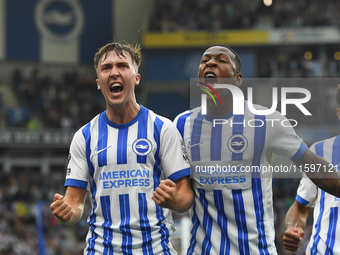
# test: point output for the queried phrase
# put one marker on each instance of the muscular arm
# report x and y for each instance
(177, 196)
(327, 178)
(69, 209)
(295, 223)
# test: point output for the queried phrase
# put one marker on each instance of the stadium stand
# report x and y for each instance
(215, 15)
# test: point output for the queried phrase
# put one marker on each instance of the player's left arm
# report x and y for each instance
(295, 223)
(177, 196)
(325, 176)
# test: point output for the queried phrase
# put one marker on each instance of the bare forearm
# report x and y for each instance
(325, 177)
(185, 201)
(185, 195)
(177, 196)
(69, 209)
(297, 216)
(77, 209)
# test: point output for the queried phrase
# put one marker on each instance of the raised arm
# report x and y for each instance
(295, 224)
(177, 196)
(324, 176)
(69, 209)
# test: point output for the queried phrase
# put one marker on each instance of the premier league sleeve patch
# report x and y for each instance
(184, 152)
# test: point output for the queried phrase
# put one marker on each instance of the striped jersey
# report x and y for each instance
(326, 233)
(229, 156)
(121, 166)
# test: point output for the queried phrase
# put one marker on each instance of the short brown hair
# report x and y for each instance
(120, 49)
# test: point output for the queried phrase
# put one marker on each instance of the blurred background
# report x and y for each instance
(48, 89)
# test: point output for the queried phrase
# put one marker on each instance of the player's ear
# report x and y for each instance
(98, 85)
(238, 78)
(137, 79)
(338, 112)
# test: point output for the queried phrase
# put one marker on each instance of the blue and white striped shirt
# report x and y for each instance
(326, 233)
(121, 166)
(233, 207)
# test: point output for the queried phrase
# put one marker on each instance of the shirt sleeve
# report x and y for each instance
(307, 191)
(174, 158)
(282, 138)
(77, 168)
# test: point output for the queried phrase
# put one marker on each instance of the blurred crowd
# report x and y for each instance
(215, 15)
(66, 103)
(73, 101)
(22, 190)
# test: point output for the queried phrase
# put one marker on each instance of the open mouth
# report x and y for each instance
(210, 78)
(116, 88)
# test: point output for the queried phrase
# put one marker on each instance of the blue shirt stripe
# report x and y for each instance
(215, 142)
(237, 129)
(316, 237)
(259, 141)
(102, 141)
(181, 123)
(240, 221)
(122, 146)
(222, 222)
(108, 234)
(144, 224)
(87, 136)
(158, 125)
(124, 226)
(207, 224)
(195, 138)
(333, 220)
(319, 149)
(335, 152)
(86, 131)
(142, 133)
(195, 224)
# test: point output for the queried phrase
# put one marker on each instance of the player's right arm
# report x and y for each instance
(69, 209)
(295, 223)
(327, 179)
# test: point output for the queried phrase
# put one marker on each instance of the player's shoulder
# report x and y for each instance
(330, 140)
(154, 116)
(189, 113)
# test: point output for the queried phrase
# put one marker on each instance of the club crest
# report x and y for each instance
(237, 143)
(142, 146)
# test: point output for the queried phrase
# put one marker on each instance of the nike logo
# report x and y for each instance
(96, 152)
(192, 145)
